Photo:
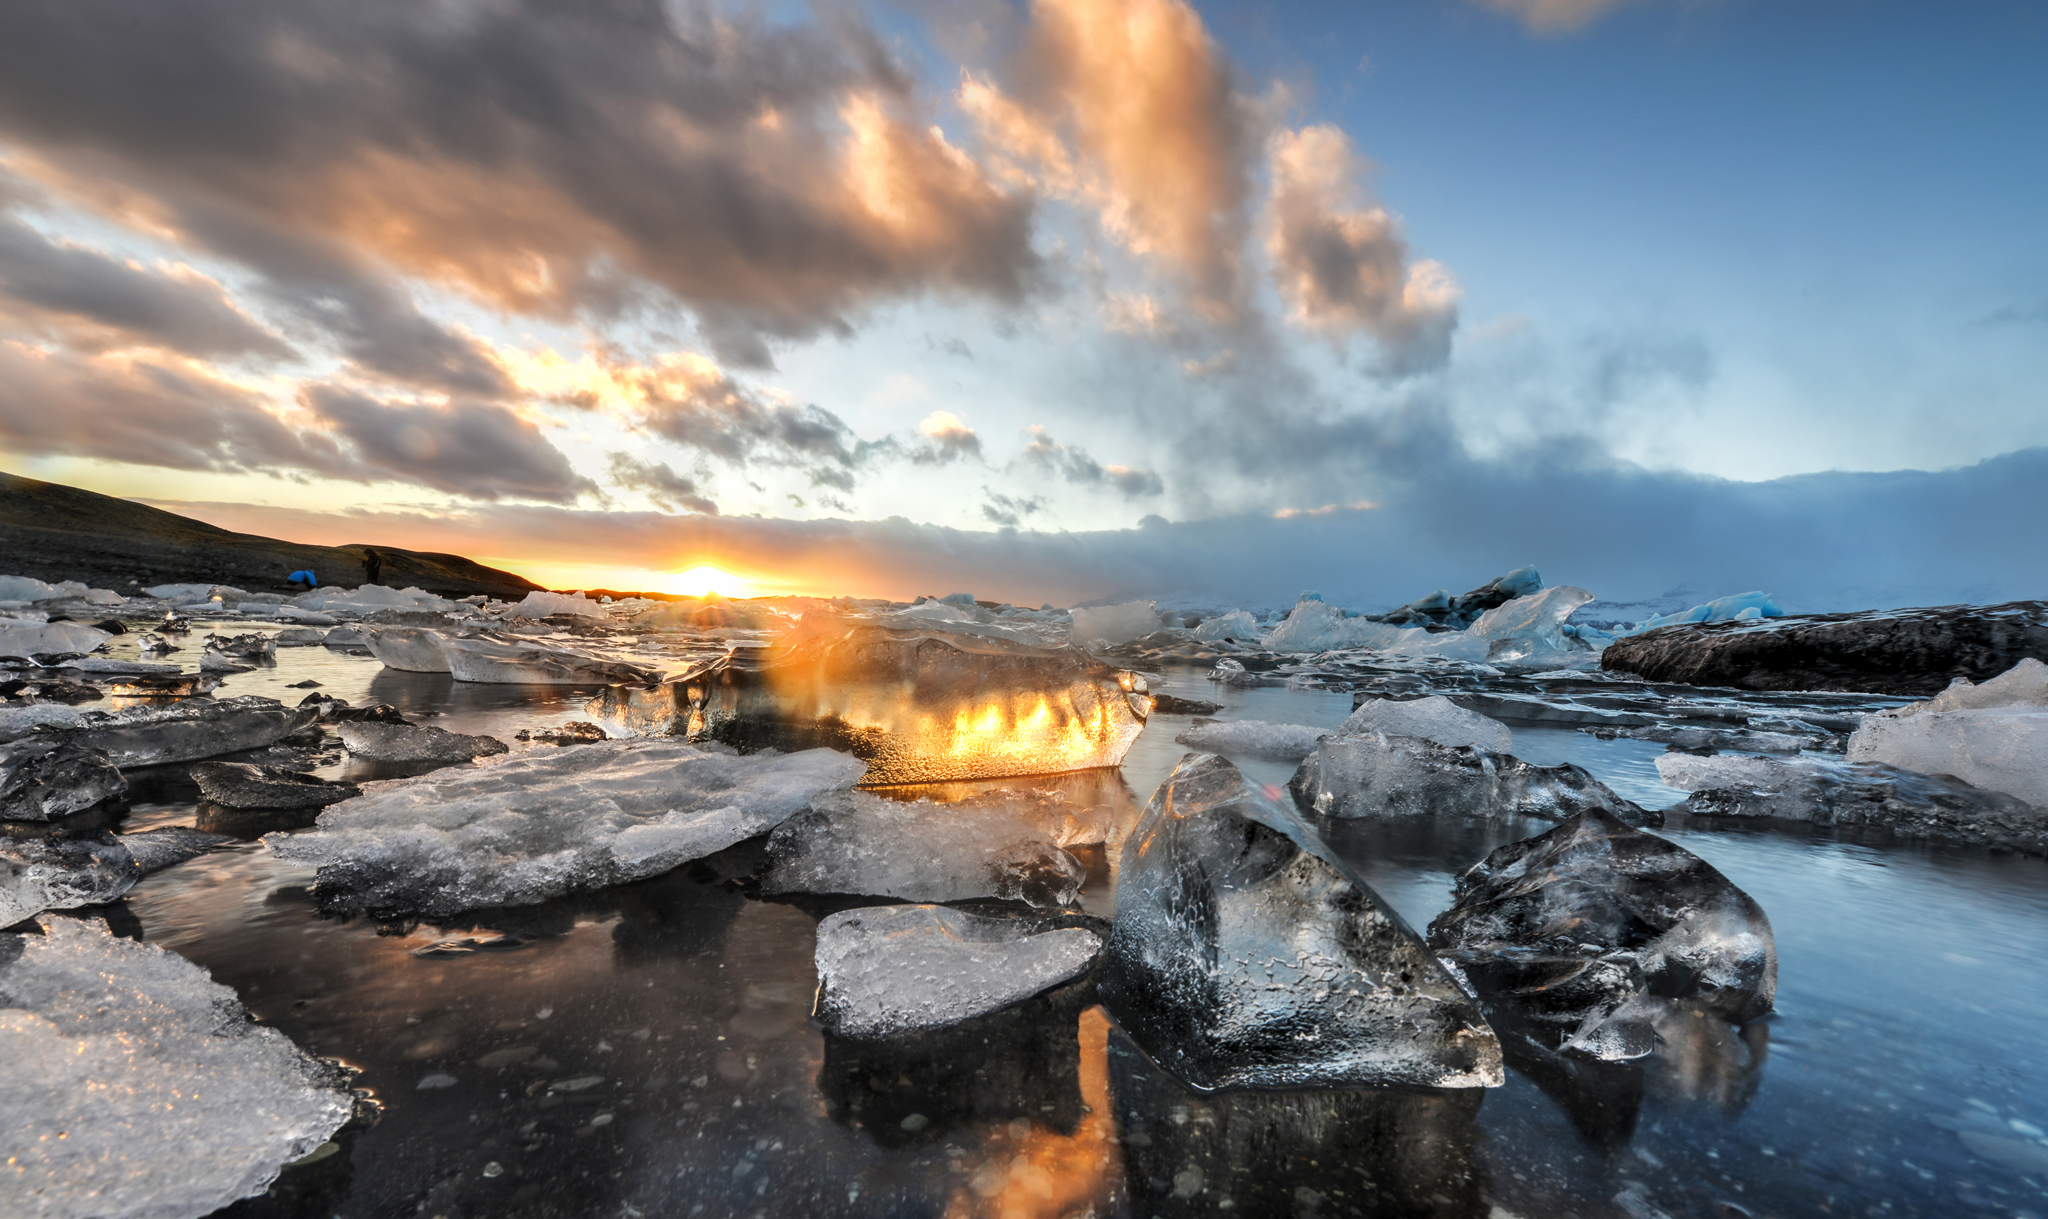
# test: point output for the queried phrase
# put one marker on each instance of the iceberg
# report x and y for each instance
(1440, 609)
(1004, 844)
(1574, 930)
(1829, 792)
(1740, 607)
(1115, 623)
(138, 1088)
(1246, 954)
(42, 779)
(410, 649)
(1316, 626)
(541, 824)
(1528, 632)
(1253, 739)
(539, 604)
(1435, 718)
(186, 731)
(1237, 624)
(921, 705)
(1382, 775)
(27, 640)
(413, 743)
(888, 970)
(1993, 735)
(494, 661)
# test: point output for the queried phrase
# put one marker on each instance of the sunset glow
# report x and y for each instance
(706, 578)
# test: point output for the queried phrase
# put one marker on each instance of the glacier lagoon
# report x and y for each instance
(650, 1048)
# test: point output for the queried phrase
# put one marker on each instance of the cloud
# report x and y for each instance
(948, 439)
(1341, 263)
(662, 485)
(1128, 106)
(1553, 16)
(1009, 511)
(773, 177)
(97, 301)
(476, 449)
(1076, 466)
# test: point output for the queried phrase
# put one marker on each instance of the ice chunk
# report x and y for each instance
(414, 743)
(1002, 845)
(300, 637)
(1246, 954)
(527, 661)
(1527, 631)
(18, 722)
(42, 778)
(1829, 792)
(187, 731)
(1253, 739)
(1571, 927)
(1995, 737)
(60, 872)
(137, 1088)
(27, 588)
(919, 705)
(886, 970)
(540, 604)
(411, 649)
(685, 615)
(238, 785)
(1315, 626)
(1115, 623)
(28, 639)
(1380, 775)
(541, 824)
(1435, 718)
(369, 598)
(1723, 609)
(155, 850)
(253, 646)
(1237, 624)
(185, 594)
(1440, 609)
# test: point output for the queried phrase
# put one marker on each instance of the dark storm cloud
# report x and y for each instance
(48, 285)
(661, 484)
(543, 158)
(475, 449)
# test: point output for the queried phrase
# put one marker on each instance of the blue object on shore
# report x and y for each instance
(306, 578)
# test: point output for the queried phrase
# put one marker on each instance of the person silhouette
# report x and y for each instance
(373, 565)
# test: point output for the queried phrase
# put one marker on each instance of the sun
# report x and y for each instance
(706, 578)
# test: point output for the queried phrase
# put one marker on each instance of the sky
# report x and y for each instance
(1052, 301)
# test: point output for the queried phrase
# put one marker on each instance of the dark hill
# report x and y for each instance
(53, 532)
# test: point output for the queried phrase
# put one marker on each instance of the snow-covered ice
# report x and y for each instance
(1253, 739)
(1435, 718)
(138, 1088)
(1382, 775)
(1993, 735)
(1245, 953)
(1000, 845)
(889, 970)
(541, 824)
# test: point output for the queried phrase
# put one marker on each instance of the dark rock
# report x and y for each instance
(112, 626)
(43, 778)
(1442, 612)
(308, 684)
(1575, 929)
(1905, 651)
(57, 690)
(1167, 704)
(1245, 953)
(385, 742)
(238, 785)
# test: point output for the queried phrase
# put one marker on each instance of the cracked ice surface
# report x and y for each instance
(137, 1088)
(539, 825)
(1004, 844)
(884, 970)
(1246, 954)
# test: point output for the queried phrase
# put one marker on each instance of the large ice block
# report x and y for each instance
(1115, 623)
(888, 970)
(26, 639)
(1246, 954)
(188, 730)
(138, 1088)
(1577, 928)
(42, 778)
(1993, 735)
(1435, 718)
(412, 649)
(1379, 775)
(545, 823)
(1000, 845)
(497, 661)
(920, 705)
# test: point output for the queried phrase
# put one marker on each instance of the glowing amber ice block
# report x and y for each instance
(917, 705)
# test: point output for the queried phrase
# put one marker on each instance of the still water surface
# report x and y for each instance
(647, 1050)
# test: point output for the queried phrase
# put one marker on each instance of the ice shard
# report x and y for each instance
(919, 705)
(138, 1088)
(1002, 845)
(545, 823)
(1378, 775)
(42, 778)
(1577, 931)
(888, 970)
(1246, 954)
(414, 743)
(186, 731)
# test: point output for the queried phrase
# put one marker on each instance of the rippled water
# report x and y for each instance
(647, 1050)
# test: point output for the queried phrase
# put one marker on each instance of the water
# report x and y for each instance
(647, 1050)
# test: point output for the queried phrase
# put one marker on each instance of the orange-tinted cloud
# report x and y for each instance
(1130, 107)
(1341, 261)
